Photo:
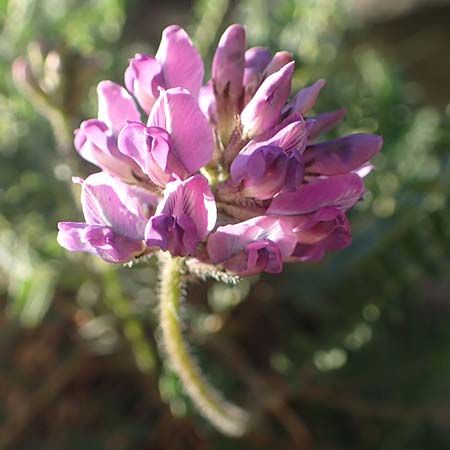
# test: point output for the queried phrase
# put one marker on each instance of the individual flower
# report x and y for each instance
(96, 139)
(183, 218)
(256, 245)
(116, 216)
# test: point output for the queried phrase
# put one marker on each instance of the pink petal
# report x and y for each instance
(256, 60)
(178, 112)
(192, 197)
(98, 240)
(102, 205)
(70, 236)
(264, 110)
(181, 63)
(115, 106)
(142, 78)
(306, 98)
(152, 150)
(96, 144)
(184, 217)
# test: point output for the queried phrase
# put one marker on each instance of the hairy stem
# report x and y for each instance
(224, 416)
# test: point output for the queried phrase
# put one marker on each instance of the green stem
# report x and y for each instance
(226, 417)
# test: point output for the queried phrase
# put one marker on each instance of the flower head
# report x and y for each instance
(225, 171)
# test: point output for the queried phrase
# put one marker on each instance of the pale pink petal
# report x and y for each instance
(103, 206)
(115, 106)
(143, 77)
(178, 112)
(181, 63)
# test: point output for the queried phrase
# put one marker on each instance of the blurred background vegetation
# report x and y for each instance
(349, 354)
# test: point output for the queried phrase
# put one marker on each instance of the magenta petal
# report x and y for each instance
(322, 123)
(115, 106)
(228, 63)
(338, 239)
(292, 135)
(181, 63)
(102, 205)
(341, 155)
(263, 256)
(308, 253)
(305, 99)
(264, 109)
(142, 78)
(364, 170)
(178, 112)
(341, 192)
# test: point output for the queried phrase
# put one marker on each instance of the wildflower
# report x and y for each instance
(227, 176)
(228, 173)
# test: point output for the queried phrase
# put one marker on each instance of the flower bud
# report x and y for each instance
(256, 60)
(227, 75)
(228, 63)
(264, 109)
(305, 99)
(279, 60)
(342, 155)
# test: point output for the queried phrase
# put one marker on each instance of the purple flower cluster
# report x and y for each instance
(229, 173)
